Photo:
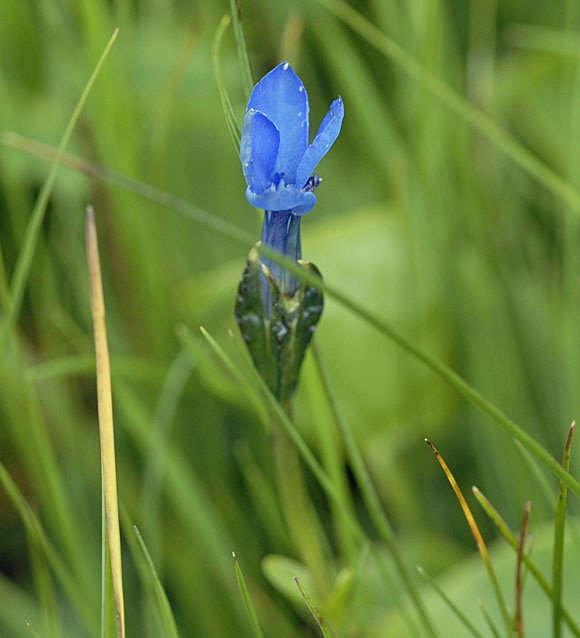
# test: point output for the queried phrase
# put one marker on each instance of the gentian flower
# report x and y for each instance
(278, 163)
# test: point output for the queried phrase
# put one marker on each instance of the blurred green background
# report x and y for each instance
(422, 217)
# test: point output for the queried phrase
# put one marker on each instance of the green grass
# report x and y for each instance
(447, 223)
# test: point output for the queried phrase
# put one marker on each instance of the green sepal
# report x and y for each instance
(277, 340)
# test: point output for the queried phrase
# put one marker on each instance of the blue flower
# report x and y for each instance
(278, 161)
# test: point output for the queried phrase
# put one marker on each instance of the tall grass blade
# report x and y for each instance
(382, 524)
(558, 553)
(231, 120)
(231, 231)
(488, 620)
(461, 107)
(164, 606)
(38, 537)
(313, 610)
(481, 546)
(142, 189)
(242, 50)
(510, 537)
(106, 426)
(454, 608)
(519, 619)
(26, 254)
(370, 495)
(257, 630)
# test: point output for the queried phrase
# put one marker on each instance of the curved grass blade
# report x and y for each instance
(106, 427)
(231, 231)
(231, 121)
(383, 526)
(488, 619)
(505, 531)
(368, 491)
(519, 619)
(156, 459)
(146, 191)
(481, 546)
(558, 554)
(38, 536)
(461, 107)
(236, 10)
(315, 613)
(164, 606)
(26, 254)
(247, 600)
(454, 608)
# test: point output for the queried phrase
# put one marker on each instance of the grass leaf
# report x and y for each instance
(106, 427)
(27, 251)
(162, 601)
(247, 600)
(559, 528)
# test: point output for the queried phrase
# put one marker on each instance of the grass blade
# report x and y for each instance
(231, 231)
(462, 617)
(142, 189)
(38, 537)
(247, 600)
(488, 619)
(26, 254)
(106, 427)
(559, 527)
(481, 546)
(505, 531)
(519, 582)
(231, 121)
(370, 495)
(164, 606)
(380, 520)
(241, 47)
(315, 613)
(461, 107)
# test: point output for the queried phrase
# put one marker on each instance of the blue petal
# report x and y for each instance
(258, 149)
(282, 98)
(288, 198)
(325, 137)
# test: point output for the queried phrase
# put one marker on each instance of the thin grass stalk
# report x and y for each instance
(440, 369)
(142, 189)
(325, 482)
(454, 608)
(324, 628)
(303, 524)
(241, 48)
(461, 107)
(60, 568)
(231, 120)
(519, 619)
(370, 495)
(332, 455)
(558, 551)
(510, 537)
(165, 610)
(488, 620)
(30, 241)
(106, 426)
(257, 630)
(156, 459)
(481, 546)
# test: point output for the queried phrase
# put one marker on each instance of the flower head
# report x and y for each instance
(277, 159)
(276, 310)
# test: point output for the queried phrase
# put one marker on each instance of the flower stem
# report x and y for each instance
(300, 517)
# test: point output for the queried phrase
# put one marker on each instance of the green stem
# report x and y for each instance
(558, 556)
(301, 520)
(371, 497)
